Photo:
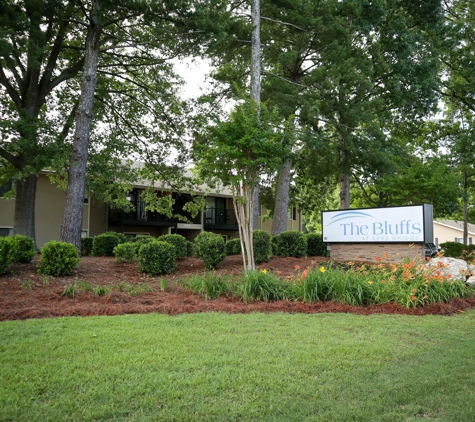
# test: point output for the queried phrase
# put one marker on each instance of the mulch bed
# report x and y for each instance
(27, 294)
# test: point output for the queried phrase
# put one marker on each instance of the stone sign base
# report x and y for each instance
(388, 252)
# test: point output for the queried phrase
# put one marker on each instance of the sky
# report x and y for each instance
(194, 73)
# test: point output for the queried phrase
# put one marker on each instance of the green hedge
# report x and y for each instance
(24, 248)
(289, 243)
(86, 245)
(58, 258)
(190, 248)
(125, 252)
(141, 240)
(458, 250)
(210, 248)
(105, 243)
(157, 258)
(315, 245)
(233, 247)
(178, 241)
(262, 246)
(6, 255)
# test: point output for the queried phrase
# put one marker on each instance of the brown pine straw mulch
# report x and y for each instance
(27, 294)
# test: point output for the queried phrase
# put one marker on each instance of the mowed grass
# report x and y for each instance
(245, 367)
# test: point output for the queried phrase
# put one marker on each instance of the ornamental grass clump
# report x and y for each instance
(210, 248)
(210, 285)
(408, 284)
(263, 285)
(58, 258)
(157, 258)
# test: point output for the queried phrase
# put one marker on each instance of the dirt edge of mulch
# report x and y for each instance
(27, 294)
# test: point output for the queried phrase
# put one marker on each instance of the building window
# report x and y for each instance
(292, 213)
(6, 187)
(6, 231)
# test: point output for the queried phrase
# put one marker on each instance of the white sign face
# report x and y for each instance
(395, 224)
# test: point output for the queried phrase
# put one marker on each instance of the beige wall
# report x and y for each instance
(444, 234)
(291, 224)
(7, 212)
(49, 207)
(98, 217)
(396, 252)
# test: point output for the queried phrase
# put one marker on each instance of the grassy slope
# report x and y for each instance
(256, 367)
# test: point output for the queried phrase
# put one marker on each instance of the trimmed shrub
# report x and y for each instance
(178, 241)
(315, 245)
(233, 247)
(125, 252)
(86, 245)
(190, 248)
(24, 248)
(157, 258)
(58, 258)
(453, 249)
(6, 255)
(141, 240)
(121, 236)
(210, 248)
(105, 243)
(262, 246)
(289, 243)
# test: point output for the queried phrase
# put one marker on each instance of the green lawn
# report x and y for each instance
(254, 367)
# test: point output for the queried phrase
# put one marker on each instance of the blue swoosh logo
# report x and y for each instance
(345, 215)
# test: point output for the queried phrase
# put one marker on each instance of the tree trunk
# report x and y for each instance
(282, 199)
(465, 208)
(255, 210)
(72, 218)
(243, 209)
(256, 84)
(25, 194)
(344, 191)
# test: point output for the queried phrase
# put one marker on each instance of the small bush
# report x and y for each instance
(157, 258)
(58, 258)
(24, 248)
(190, 248)
(178, 241)
(233, 247)
(141, 240)
(105, 243)
(86, 245)
(458, 250)
(210, 248)
(289, 243)
(262, 246)
(125, 252)
(6, 255)
(121, 236)
(315, 245)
